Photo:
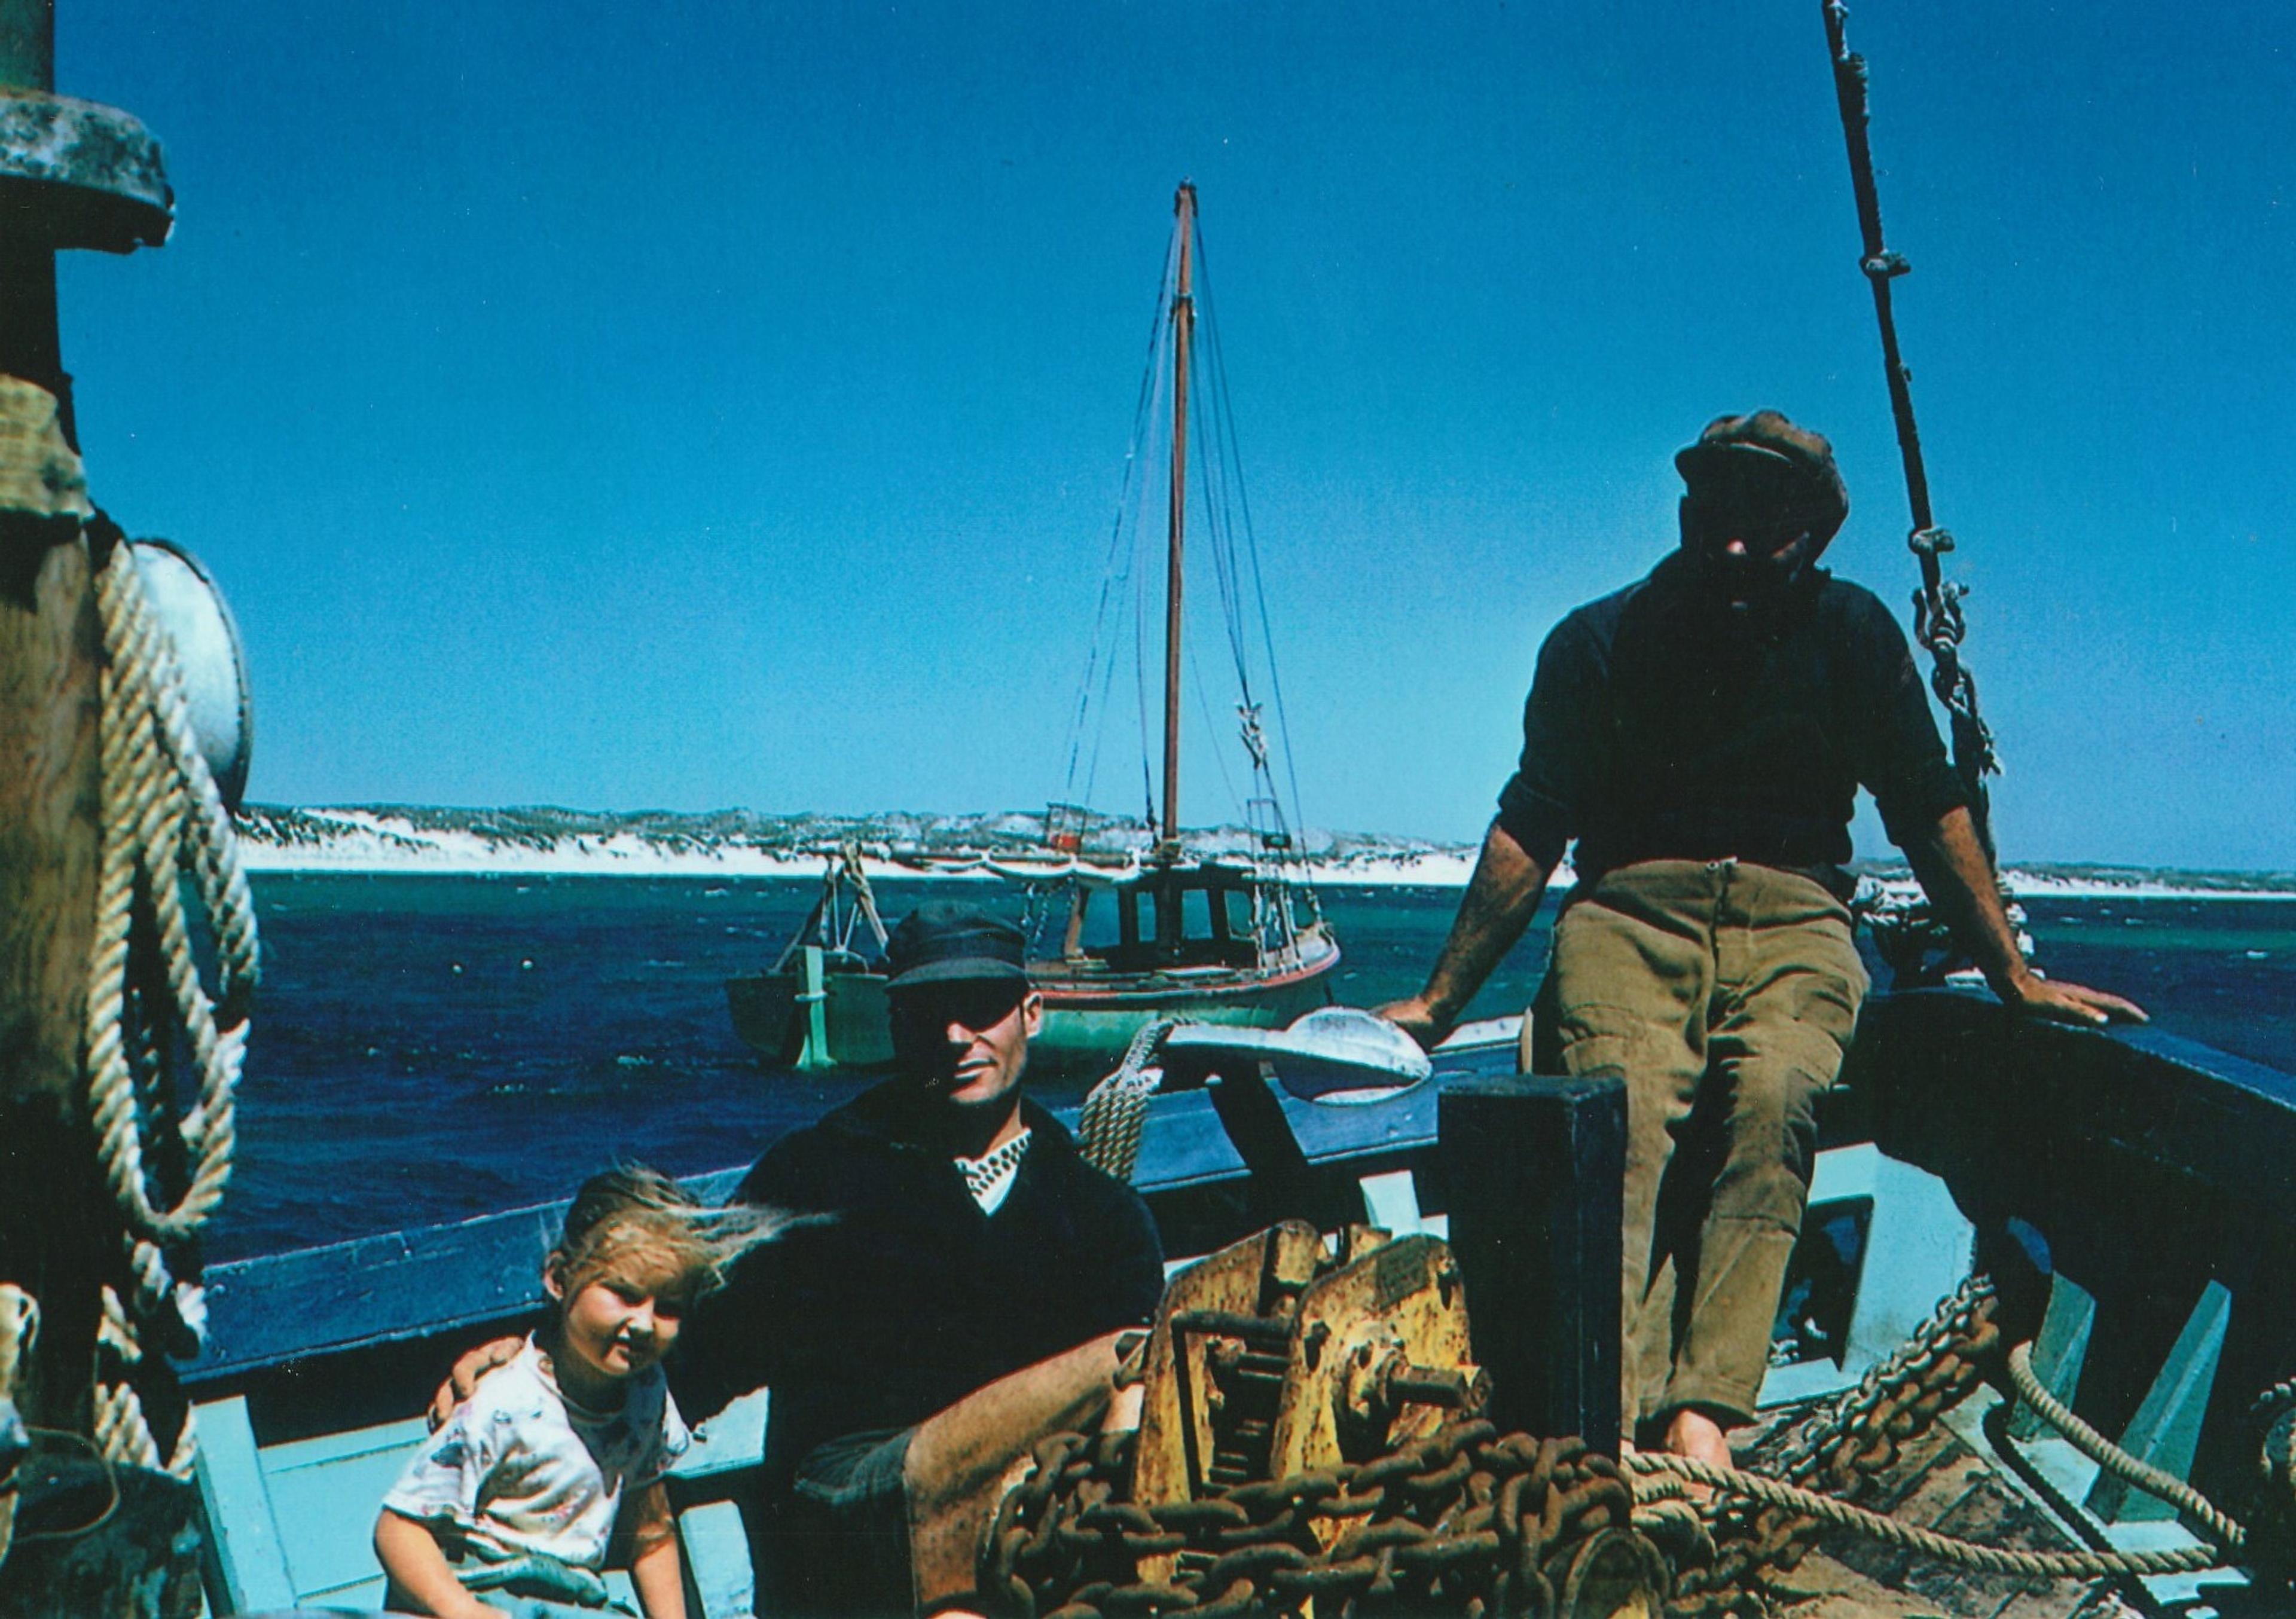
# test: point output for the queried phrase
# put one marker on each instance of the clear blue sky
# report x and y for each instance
(681, 406)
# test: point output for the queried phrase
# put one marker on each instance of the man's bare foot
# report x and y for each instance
(1697, 1435)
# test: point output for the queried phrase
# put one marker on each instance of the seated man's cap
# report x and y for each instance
(941, 941)
(1734, 445)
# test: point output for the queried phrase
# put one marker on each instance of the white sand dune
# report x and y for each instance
(570, 844)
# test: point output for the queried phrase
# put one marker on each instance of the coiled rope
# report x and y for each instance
(163, 823)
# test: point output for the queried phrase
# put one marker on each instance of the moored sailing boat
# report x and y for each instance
(1232, 939)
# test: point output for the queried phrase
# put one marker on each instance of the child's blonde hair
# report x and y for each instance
(632, 1216)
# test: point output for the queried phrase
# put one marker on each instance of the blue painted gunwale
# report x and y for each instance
(446, 1280)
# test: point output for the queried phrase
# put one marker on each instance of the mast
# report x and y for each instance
(1183, 327)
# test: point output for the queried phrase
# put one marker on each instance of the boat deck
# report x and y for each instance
(2157, 1169)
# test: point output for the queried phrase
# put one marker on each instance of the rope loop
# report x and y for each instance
(163, 830)
(163, 822)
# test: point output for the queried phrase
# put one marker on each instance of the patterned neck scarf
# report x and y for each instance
(988, 1179)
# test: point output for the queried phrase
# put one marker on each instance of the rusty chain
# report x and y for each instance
(1841, 1450)
(1470, 1522)
(1462, 1522)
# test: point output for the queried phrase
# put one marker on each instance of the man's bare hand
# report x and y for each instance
(463, 1379)
(1415, 1017)
(2061, 1002)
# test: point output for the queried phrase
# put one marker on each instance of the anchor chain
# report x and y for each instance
(1840, 1451)
(1463, 1521)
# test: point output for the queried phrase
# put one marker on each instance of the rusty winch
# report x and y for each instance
(1274, 1357)
(1312, 1442)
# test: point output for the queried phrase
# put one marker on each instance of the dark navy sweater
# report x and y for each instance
(1659, 728)
(909, 1297)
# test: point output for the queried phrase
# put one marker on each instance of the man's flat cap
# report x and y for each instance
(941, 941)
(1733, 447)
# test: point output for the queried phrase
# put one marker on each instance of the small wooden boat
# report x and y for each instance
(1211, 962)
(1233, 939)
(821, 1003)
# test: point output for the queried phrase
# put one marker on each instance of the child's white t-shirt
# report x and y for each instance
(519, 1467)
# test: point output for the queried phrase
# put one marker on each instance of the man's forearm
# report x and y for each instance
(1502, 897)
(1960, 882)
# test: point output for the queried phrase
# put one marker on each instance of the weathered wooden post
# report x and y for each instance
(72, 175)
(1535, 1169)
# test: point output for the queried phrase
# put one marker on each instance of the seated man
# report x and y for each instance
(1702, 734)
(960, 1302)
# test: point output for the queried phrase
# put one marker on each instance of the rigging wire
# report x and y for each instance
(1116, 578)
(1211, 728)
(1134, 556)
(1225, 504)
(1251, 542)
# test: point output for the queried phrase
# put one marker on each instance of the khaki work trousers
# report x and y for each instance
(1723, 994)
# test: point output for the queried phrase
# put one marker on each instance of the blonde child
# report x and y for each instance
(521, 1490)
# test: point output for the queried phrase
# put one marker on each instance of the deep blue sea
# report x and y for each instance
(430, 1047)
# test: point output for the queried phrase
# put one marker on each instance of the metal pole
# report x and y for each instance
(1184, 328)
(1937, 617)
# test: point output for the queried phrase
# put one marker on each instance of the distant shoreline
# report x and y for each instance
(406, 842)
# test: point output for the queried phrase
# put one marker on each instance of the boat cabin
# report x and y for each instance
(1174, 915)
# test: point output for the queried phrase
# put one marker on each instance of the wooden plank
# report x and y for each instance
(246, 1556)
(325, 1493)
(1536, 1168)
(716, 1547)
(2166, 1431)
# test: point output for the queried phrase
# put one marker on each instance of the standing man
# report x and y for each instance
(1702, 734)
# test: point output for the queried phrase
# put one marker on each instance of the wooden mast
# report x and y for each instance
(58, 1230)
(1184, 326)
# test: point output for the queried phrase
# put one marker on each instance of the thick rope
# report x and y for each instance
(2189, 1502)
(156, 789)
(1962, 1554)
(19, 1328)
(1108, 1125)
(162, 820)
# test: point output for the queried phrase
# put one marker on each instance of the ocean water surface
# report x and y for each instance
(432, 1048)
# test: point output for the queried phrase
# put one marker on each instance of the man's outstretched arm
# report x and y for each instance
(1955, 875)
(1501, 899)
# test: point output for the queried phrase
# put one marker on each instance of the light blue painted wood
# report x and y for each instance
(2060, 1351)
(250, 1560)
(324, 1495)
(1391, 1201)
(717, 1552)
(1917, 1250)
(2166, 1431)
(730, 1440)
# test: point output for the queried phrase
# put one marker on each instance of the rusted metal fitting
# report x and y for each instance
(1453, 1388)
(76, 174)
